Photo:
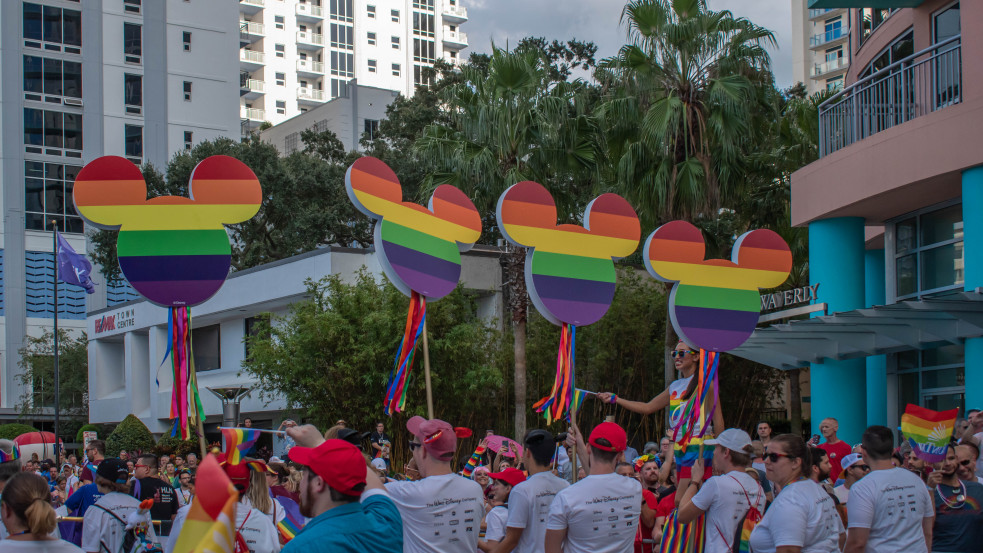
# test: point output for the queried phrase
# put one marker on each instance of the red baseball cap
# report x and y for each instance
(437, 436)
(338, 462)
(614, 434)
(512, 476)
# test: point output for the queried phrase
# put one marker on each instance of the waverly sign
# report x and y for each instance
(787, 298)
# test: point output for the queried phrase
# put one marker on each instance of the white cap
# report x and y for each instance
(849, 460)
(378, 463)
(733, 439)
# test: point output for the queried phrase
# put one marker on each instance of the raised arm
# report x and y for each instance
(655, 405)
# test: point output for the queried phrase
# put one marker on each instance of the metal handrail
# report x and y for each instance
(834, 98)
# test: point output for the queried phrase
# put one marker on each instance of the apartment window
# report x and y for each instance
(370, 11)
(278, 21)
(371, 128)
(423, 4)
(396, 69)
(395, 15)
(187, 91)
(934, 378)
(342, 36)
(901, 48)
(395, 42)
(339, 89)
(208, 348)
(281, 107)
(835, 84)
(423, 24)
(54, 26)
(186, 38)
(281, 79)
(131, 6)
(51, 77)
(371, 38)
(133, 141)
(341, 10)
(373, 66)
(424, 50)
(423, 75)
(133, 93)
(189, 139)
(280, 50)
(132, 43)
(870, 19)
(48, 195)
(342, 64)
(52, 129)
(928, 252)
(453, 54)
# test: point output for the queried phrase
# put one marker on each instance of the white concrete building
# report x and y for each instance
(128, 341)
(820, 46)
(82, 79)
(298, 54)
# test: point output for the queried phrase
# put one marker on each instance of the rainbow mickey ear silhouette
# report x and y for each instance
(173, 250)
(569, 269)
(715, 303)
(420, 246)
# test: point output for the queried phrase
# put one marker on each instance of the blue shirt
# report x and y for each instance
(371, 526)
(83, 498)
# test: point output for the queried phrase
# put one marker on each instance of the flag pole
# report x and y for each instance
(54, 255)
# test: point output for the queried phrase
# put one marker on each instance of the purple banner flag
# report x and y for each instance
(73, 267)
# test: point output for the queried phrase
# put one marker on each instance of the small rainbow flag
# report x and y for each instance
(293, 523)
(238, 441)
(210, 525)
(578, 398)
(928, 431)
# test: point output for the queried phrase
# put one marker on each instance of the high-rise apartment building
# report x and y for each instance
(820, 45)
(298, 54)
(83, 79)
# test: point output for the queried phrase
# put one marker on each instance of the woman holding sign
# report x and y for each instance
(675, 396)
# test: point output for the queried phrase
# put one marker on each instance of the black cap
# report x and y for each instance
(541, 443)
(114, 470)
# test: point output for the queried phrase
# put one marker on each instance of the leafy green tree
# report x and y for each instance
(330, 357)
(511, 123)
(79, 436)
(14, 429)
(130, 435)
(37, 378)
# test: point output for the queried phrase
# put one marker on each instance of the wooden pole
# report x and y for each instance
(573, 460)
(426, 371)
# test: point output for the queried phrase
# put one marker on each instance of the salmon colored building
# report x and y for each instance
(894, 208)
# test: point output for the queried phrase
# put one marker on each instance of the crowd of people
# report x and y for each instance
(567, 493)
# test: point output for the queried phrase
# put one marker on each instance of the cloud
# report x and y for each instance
(508, 21)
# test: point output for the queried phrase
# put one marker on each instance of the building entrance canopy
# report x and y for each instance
(907, 325)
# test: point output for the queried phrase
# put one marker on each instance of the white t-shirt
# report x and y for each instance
(600, 514)
(842, 493)
(441, 514)
(677, 404)
(725, 504)
(184, 497)
(495, 523)
(803, 515)
(892, 504)
(98, 526)
(256, 528)
(529, 507)
(47, 546)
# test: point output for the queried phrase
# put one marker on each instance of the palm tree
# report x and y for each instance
(681, 107)
(512, 122)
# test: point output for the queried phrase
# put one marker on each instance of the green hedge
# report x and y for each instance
(86, 428)
(170, 445)
(12, 430)
(130, 435)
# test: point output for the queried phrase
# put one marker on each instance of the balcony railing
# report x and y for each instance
(829, 36)
(309, 10)
(814, 13)
(307, 93)
(456, 37)
(308, 37)
(254, 3)
(830, 66)
(252, 28)
(252, 85)
(252, 56)
(310, 66)
(917, 85)
(455, 12)
(252, 114)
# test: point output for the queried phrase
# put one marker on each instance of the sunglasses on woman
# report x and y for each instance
(682, 353)
(774, 457)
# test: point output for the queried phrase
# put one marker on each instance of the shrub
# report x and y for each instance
(171, 445)
(87, 428)
(130, 435)
(12, 430)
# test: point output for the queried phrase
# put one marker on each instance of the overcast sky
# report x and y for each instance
(597, 21)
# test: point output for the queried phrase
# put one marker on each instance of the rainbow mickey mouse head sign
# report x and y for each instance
(173, 250)
(714, 304)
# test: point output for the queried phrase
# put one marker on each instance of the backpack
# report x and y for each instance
(131, 541)
(742, 536)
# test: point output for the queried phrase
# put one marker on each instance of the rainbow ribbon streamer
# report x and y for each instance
(185, 401)
(556, 406)
(695, 409)
(395, 400)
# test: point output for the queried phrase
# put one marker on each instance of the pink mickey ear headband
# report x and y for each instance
(12, 456)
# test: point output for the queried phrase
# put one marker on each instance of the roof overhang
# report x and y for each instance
(903, 326)
(865, 3)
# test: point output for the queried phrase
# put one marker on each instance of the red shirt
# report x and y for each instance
(836, 453)
(644, 533)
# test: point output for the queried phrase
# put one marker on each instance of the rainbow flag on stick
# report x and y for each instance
(928, 431)
(209, 526)
(292, 523)
(238, 441)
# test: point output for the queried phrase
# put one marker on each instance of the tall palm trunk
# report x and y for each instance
(518, 306)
